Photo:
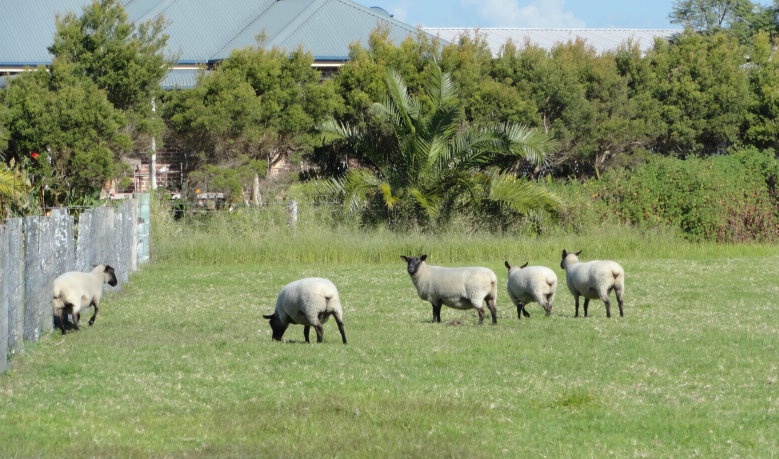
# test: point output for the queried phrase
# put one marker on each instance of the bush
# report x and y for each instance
(730, 198)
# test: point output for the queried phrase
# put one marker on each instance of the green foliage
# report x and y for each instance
(724, 198)
(704, 89)
(435, 165)
(259, 104)
(64, 133)
(123, 60)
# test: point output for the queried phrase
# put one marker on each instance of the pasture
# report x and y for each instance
(180, 362)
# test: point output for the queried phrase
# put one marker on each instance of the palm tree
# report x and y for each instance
(435, 163)
(13, 188)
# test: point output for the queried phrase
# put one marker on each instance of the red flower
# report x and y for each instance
(34, 155)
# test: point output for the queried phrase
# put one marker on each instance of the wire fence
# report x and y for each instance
(35, 250)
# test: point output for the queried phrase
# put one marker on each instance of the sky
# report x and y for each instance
(591, 14)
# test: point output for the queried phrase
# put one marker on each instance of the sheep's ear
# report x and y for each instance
(508, 266)
(577, 253)
(269, 316)
(525, 265)
(565, 254)
(423, 258)
(404, 258)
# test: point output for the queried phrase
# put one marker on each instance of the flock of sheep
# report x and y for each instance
(311, 301)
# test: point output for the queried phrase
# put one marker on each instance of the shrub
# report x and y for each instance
(730, 198)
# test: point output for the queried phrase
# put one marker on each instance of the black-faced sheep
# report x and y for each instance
(74, 291)
(459, 288)
(593, 280)
(527, 284)
(309, 302)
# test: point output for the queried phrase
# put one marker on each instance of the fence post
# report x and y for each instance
(293, 214)
(14, 284)
(144, 227)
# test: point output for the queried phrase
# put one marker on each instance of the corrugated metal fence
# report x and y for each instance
(35, 250)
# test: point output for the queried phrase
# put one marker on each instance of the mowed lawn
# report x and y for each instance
(180, 363)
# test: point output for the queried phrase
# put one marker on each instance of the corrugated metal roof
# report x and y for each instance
(202, 31)
(600, 39)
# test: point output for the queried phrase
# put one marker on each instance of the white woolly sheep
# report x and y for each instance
(459, 288)
(74, 291)
(309, 302)
(593, 280)
(527, 284)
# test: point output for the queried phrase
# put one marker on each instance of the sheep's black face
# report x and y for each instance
(111, 276)
(413, 263)
(277, 326)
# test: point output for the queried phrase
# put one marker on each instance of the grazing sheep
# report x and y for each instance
(309, 302)
(459, 288)
(531, 283)
(593, 279)
(74, 291)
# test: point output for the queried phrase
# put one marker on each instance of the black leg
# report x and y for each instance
(493, 312)
(577, 307)
(608, 307)
(586, 305)
(320, 333)
(341, 329)
(436, 313)
(306, 330)
(94, 315)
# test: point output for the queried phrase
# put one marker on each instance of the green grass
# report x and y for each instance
(180, 362)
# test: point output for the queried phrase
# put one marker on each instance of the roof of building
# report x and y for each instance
(601, 40)
(205, 31)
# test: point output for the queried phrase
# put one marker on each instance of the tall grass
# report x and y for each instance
(265, 235)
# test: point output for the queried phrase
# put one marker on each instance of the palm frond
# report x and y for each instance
(12, 183)
(430, 203)
(520, 195)
(525, 142)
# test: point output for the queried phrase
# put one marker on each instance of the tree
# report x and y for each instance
(124, 60)
(259, 105)
(703, 88)
(709, 15)
(64, 133)
(435, 165)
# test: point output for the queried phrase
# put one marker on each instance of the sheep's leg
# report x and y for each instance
(481, 315)
(341, 328)
(520, 307)
(436, 312)
(608, 306)
(320, 333)
(306, 330)
(576, 298)
(76, 317)
(586, 305)
(59, 320)
(493, 312)
(620, 303)
(94, 315)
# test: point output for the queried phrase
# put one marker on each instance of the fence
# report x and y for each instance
(35, 250)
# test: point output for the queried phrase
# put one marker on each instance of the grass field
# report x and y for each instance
(180, 363)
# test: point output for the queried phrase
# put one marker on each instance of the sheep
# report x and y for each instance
(309, 302)
(527, 284)
(74, 291)
(593, 279)
(459, 288)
